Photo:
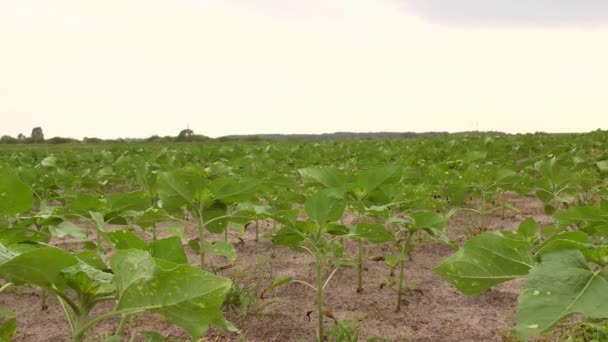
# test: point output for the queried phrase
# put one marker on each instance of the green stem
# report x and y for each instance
(274, 229)
(43, 304)
(201, 235)
(223, 217)
(257, 230)
(67, 313)
(121, 325)
(154, 232)
(67, 301)
(84, 325)
(5, 286)
(360, 266)
(483, 212)
(400, 287)
(320, 296)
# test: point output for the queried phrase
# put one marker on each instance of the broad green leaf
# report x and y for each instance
(191, 304)
(131, 266)
(41, 267)
(592, 219)
(197, 314)
(222, 248)
(286, 217)
(214, 222)
(179, 188)
(67, 228)
(329, 177)
(125, 239)
(100, 223)
(86, 279)
(324, 206)
(105, 172)
(456, 192)
(574, 240)
(93, 259)
(230, 190)
(560, 285)
(17, 235)
(6, 254)
(288, 237)
(137, 200)
(170, 249)
(336, 229)
(15, 196)
(84, 203)
(148, 218)
(484, 261)
(373, 232)
(427, 219)
(50, 161)
(504, 176)
(528, 228)
(369, 180)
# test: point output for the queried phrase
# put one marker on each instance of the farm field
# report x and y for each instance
(448, 238)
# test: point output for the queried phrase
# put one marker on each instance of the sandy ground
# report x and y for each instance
(435, 311)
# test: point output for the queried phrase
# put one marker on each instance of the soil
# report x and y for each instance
(432, 310)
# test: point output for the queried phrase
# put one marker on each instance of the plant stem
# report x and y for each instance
(257, 225)
(483, 212)
(274, 229)
(67, 313)
(67, 301)
(201, 235)
(43, 304)
(400, 287)
(84, 325)
(5, 286)
(320, 296)
(121, 325)
(360, 266)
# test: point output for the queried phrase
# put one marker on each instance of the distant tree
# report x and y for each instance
(185, 134)
(61, 140)
(37, 135)
(7, 139)
(21, 137)
(92, 140)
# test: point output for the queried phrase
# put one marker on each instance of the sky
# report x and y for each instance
(136, 68)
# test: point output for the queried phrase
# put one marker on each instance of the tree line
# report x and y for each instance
(37, 137)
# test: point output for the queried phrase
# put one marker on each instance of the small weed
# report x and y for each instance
(243, 296)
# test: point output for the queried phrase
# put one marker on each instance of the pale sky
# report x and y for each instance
(135, 68)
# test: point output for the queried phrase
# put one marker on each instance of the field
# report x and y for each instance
(447, 238)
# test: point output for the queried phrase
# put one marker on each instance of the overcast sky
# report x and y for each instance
(134, 68)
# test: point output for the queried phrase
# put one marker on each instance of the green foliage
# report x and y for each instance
(15, 196)
(8, 324)
(485, 261)
(560, 285)
(131, 203)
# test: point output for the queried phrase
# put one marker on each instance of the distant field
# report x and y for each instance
(434, 238)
